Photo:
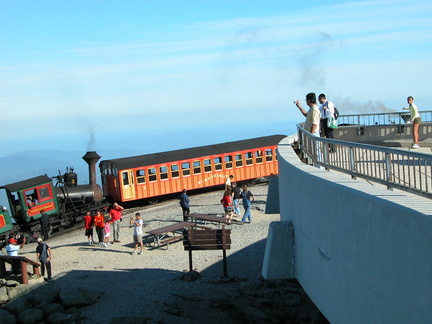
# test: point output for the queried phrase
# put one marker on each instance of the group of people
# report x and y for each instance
(318, 120)
(231, 198)
(103, 224)
(230, 201)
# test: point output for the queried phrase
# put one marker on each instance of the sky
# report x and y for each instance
(137, 77)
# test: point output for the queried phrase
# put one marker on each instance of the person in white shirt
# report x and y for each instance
(327, 112)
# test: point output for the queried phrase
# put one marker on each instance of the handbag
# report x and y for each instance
(332, 123)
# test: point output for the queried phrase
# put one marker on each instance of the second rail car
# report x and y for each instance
(158, 174)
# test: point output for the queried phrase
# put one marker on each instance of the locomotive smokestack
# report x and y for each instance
(91, 158)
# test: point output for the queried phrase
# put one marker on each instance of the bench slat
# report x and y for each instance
(206, 247)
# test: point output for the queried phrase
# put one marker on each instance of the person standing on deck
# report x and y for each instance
(415, 119)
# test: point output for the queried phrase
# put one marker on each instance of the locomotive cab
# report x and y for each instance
(27, 198)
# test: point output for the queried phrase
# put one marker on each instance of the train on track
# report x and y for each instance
(132, 179)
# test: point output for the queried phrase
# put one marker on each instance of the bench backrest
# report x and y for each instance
(207, 239)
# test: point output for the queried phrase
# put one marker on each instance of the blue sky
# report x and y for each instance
(148, 76)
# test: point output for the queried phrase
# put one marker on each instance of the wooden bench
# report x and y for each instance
(207, 239)
(23, 262)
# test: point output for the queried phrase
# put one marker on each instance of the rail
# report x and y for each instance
(389, 118)
(395, 168)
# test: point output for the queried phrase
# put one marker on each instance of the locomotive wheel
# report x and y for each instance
(153, 201)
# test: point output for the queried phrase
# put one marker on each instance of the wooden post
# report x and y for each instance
(24, 276)
(190, 248)
(224, 252)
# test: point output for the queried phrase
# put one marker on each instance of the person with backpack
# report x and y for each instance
(44, 255)
(327, 111)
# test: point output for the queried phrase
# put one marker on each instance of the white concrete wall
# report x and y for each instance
(362, 253)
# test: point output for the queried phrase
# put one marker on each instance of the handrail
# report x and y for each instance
(388, 118)
(395, 168)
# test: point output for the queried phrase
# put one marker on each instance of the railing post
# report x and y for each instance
(388, 170)
(352, 162)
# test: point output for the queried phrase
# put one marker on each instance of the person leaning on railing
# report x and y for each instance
(415, 119)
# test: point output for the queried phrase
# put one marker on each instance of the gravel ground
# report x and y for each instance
(151, 285)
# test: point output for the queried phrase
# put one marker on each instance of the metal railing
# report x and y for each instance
(395, 168)
(393, 118)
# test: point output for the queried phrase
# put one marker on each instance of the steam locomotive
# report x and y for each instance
(61, 198)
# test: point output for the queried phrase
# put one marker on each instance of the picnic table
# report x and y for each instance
(208, 218)
(160, 234)
(19, 262)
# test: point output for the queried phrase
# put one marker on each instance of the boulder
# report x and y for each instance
(18, 305)
(4, 297)
(78, 297)
(62, 318)
(6, 317)
(30, 316)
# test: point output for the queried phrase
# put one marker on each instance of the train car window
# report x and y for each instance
(125, 178)
(238, 160)
(249, 158)
(258, 156)
(44, 193)
(186, 168)
(228, 162)
(207, 165)
(152, 174)
(269, 155)
(196, 167)
(163, 172)
(31, 197)
(175, 171)
(140, 175)
(217, 163)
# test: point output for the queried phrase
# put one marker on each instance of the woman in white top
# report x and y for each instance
(416, 120)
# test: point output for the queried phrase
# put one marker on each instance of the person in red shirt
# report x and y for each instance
(99, 222)
(115, 218)
(88, 224)
(226, 201)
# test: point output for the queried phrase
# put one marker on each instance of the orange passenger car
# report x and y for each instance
(152, 175)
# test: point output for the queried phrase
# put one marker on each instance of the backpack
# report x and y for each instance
(336, 113)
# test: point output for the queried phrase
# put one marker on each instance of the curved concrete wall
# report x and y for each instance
(362, 253)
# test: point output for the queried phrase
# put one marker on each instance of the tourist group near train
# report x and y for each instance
(130, 179)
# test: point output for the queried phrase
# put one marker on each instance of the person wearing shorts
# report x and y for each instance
(416, 120)
(137, 234)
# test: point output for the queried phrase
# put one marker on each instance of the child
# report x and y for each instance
(229, 215)
(88, 223)
(107, 234)
(137, 235)
(226, 201)
(99, 222)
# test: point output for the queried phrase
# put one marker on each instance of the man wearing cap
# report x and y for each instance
(12, 250)
(44, 255)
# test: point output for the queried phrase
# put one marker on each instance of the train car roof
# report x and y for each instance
(32, 182)
(190, 153)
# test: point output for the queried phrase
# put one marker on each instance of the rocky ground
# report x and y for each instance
(156, 287)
